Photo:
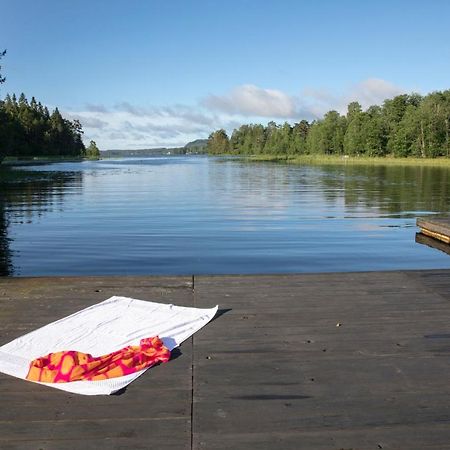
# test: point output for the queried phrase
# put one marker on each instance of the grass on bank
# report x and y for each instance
(347, 160)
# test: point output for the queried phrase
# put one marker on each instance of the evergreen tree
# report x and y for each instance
(28, 130)
(2, 79)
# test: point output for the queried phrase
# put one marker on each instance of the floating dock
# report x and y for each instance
(314, 361)
(435, 227)
(432, 243)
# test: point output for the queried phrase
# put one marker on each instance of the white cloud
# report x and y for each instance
(129, 126)
(89, 121)
(95, 108)
(372, 91)
(250, 100)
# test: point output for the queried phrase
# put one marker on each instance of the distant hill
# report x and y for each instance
(194, 147)
(198, 144)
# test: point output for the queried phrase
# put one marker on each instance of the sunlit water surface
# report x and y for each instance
(200, 215)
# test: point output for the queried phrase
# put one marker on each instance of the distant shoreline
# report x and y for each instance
(285, 159)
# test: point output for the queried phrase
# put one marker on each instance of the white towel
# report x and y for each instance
(100, 329)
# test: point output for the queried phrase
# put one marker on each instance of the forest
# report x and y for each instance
(408, 125)
(28, 129)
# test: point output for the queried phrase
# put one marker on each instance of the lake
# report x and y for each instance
(203, 215)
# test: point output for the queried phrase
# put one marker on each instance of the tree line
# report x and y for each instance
(408, 125)
(28, 129)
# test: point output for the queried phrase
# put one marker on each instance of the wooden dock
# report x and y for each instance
(317, 361)
(432, 243)
(435, 227)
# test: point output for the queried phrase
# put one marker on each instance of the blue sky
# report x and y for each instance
(148, 73)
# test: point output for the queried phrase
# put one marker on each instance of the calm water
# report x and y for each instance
(199, 215)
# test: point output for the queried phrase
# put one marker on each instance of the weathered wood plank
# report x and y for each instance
(154, 411)
(435, 227)
(276, 371)
(433, 243)
(126, 433)
(323, 438)
(271, 371)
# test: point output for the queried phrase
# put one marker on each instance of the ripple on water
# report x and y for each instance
(183, 215)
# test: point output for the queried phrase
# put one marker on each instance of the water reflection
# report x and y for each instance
(393, 190)
(26, 196)
(187, 215)
(389, 191)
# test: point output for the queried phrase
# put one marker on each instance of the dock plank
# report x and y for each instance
(154, 412)
(432, 243)
(272, 370)
(282, 374)
(435, 227)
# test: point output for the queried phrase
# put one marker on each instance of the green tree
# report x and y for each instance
(404, 141)
(327, 136)
(424, 129)
(3, 118)
(298, 138)
(236, 141)
(393, 111)
(258, 139)
(271, 140)
(433, 115)
(248, 139)
(314, 140)
(406, 125)
(285, 134)
(2, 79)
(354, 138)
(92, 152)
(337, 128)
(218, 142)
(27, 129)
(374, 132)
(446, 104)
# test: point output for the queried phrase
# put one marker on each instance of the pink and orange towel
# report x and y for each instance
(70, 365)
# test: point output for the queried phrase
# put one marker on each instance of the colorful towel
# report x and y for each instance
(102, 329)
(70, 365)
